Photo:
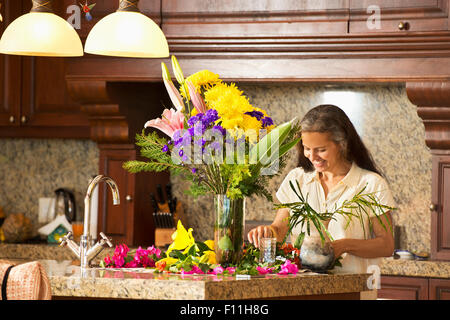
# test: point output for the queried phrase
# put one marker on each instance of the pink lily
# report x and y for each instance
(174, 95)
(170, 122)
(196, 98)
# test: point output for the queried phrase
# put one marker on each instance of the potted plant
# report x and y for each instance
(316, 252)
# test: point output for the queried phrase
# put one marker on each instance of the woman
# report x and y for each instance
(334, 165)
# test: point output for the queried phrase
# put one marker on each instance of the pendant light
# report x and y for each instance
(41, 33)
(127, 33)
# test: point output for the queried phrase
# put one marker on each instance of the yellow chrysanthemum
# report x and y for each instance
(204, 79)
(229, 103)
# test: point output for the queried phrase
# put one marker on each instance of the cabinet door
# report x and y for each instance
(440, 216)
(10, 71)
(116, 220)
(262, 18)
(403, 288)
(131, 222)
(399, 16)
(439, 289)
(47, 109)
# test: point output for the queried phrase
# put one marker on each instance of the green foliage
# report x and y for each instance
(359, 206)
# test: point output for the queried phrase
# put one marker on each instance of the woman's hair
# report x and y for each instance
(330, 119)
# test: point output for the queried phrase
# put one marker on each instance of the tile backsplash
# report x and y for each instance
(382, 114)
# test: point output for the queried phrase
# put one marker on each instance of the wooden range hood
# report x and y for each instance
(281, 42)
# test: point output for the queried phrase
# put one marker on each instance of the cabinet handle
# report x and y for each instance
(433, 207)
(23, 119)
(403, 25)
(128, 198)
(12, 119)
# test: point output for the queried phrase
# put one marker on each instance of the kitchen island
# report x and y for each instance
(68, 281)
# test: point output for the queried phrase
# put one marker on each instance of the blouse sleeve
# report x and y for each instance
(382, 193)
(285, 193)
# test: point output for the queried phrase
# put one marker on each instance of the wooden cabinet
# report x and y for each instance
(439, 289)
(235, 18)
(440, 210)
(403, 288)
(34, 99)
(400, 16)
(414, 288)
(131, 222)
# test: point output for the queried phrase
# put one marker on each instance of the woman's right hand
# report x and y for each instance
(263, 231)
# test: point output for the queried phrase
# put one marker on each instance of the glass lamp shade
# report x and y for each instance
(127, 34)
(41, 34)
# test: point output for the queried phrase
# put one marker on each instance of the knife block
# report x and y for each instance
(163, 236)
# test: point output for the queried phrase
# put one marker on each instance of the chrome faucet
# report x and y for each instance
(84, 251)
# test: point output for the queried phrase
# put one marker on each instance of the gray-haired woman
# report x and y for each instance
(334, 165)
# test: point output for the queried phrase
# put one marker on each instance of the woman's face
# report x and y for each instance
(323, 153)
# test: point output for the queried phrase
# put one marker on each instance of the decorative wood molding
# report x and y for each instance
(107, 124)
(433, 106)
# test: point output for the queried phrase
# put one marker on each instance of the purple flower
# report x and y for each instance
(267, 121)
(220, 129)
(210, 117)
(194, 170)
(256, 114)
(194, 119)
(165, 148)
(181, 152)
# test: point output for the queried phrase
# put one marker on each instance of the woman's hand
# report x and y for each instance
(259, 232)
(339, 247)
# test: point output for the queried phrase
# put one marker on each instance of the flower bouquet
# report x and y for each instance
(219, 142)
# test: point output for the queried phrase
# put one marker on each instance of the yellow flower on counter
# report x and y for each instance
(210, 244)
(168, 262)
(208, 257)
(182, 239)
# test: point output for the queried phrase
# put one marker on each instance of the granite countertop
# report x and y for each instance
(415, 268)
(389, 266)
(71, 281)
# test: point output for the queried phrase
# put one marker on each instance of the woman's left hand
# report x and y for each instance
(339, 247)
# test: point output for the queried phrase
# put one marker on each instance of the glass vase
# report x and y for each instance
(229, 222)
(316, 255)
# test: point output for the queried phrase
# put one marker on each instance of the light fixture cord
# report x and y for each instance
(160, 14)
(41, 6)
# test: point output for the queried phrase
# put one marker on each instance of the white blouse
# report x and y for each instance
(356, 179)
